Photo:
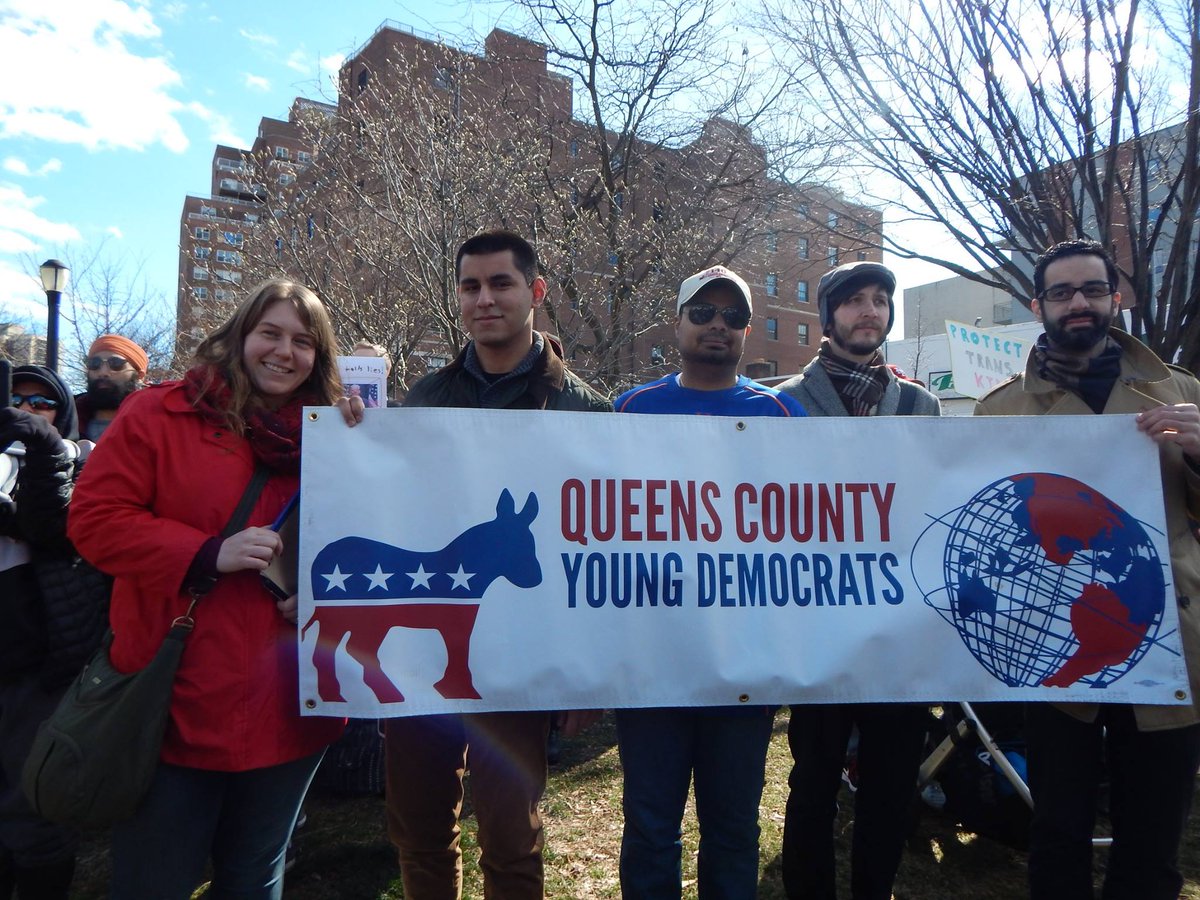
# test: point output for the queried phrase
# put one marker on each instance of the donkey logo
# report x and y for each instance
(443, 589)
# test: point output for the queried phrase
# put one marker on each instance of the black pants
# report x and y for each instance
(1151, 777)
(890, 744)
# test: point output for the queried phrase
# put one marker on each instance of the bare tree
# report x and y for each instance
(1020, 124)
(109, 293)
(673, 165)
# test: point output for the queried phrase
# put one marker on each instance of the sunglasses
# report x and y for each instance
(735, 317)
(35, 401)
(114, 363)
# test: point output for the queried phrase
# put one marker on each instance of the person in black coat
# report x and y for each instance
(51, 620)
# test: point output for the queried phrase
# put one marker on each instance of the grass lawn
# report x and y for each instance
(345, 854)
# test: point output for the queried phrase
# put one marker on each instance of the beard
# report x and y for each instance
(848, 343)
(105, 394)
(1078, 340)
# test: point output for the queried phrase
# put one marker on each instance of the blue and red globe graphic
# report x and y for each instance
(1050, 583)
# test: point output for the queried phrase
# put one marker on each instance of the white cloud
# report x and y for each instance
(114, 231)
(297, 61)
(21, 295)
(27, 233)
(20, 167)
(124, 100)
(257, 37)
(173, 12)
(18, 212)
(220, 129)
(329, 66)
(257, 82)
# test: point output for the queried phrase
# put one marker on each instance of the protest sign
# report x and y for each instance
(981, 359)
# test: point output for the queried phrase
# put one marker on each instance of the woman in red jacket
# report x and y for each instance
(149, 510)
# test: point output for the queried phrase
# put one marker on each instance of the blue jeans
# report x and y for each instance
(661, 751)
(241, 819)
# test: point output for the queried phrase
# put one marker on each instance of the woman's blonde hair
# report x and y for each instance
(221, 351)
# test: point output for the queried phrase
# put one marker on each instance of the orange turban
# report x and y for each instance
(122, 346)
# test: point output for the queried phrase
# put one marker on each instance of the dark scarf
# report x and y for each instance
(274, 434)
(1092, 378)
(860, 387)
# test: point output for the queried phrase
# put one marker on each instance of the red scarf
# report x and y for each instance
(274, 434)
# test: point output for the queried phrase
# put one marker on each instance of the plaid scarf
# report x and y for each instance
(1092, 378)
(274, 435)
(860, 387)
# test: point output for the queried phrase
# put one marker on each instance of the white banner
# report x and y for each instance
(472, 560)
(981, 359)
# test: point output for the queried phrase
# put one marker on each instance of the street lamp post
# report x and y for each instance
(54, 282)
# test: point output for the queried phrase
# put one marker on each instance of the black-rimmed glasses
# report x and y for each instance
(1091, 290)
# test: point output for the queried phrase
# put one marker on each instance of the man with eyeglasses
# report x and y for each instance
(722, 749)
(849, 377)
(1150, 754)
(116, 367)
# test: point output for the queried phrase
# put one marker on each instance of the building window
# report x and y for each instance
(227, 275)
(831, 256)
(251, 217)
(772, 241)
(229, 257)
(232, 237)
(282, 153)
(802, 291)
(831, 221)
(285, 179)
(222, 295)
(201, 234)
(802, 248)
(772, 329)
(573, 150)
(199, 273)
(802, 333)
(862, 255)
(619, 199)
(209, 212)
(443, 78)
(303, 156)
(200, 293)
(364, 78)
(229, 165)
(203, 252)
(435, 362)
(772, 284)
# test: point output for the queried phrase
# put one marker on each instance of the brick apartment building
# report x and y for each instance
(780, 238)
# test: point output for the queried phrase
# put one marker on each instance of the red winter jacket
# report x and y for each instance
(161, 483)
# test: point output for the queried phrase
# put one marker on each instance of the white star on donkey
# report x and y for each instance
(378, 578)
(336, 579)
(420, 577)
(460, 578)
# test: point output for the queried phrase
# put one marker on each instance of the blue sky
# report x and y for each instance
(110, 110)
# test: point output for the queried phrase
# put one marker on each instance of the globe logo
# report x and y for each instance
(1048, 582)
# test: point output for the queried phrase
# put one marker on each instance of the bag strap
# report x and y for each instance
(908, 399)
(237, 521)
(241, 513)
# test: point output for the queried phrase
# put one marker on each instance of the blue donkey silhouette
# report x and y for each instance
(369, 571)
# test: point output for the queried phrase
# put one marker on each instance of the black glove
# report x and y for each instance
(35, 432)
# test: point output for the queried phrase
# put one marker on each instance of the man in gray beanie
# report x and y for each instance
(850, 378)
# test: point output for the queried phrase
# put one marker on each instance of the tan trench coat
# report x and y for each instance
(1144, 382)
